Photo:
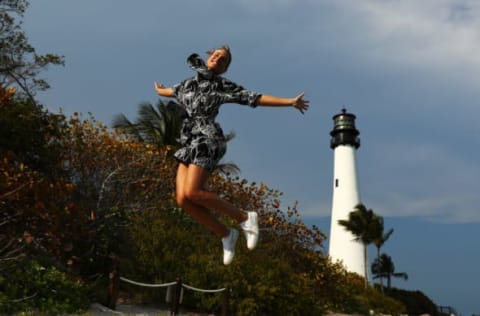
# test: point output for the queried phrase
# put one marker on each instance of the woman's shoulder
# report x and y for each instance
(228, 84)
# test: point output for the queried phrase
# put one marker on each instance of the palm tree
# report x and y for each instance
(383, 267)
(362, 224)
(160, 126)
(380, 238)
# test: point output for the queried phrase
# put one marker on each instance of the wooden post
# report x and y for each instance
(113, 283)
(176, 298)
(225, 299)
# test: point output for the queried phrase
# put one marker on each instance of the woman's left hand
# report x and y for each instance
(300, 104)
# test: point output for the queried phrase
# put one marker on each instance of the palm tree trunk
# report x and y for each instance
(365, 256)
(381, 276)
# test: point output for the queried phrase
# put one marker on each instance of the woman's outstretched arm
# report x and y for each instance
(297, 102)
(163, 91)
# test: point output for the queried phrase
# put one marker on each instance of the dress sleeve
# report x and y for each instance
(234, 93)
(177, 89)
(179, 94)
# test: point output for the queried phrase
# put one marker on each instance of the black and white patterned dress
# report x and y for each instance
(202, 139)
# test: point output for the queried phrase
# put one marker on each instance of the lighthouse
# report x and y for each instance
(345, 142)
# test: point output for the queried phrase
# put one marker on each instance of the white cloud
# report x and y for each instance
(437, 39)
(438, 36)
(424, 180)
(428, 33)
(455, 208)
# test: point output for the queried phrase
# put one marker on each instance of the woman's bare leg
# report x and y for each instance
(194, 191)
(197, 202)
(196, 211)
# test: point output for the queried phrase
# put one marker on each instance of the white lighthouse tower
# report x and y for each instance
(344, 143)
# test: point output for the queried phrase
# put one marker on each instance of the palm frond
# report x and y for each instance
(227, 169)
(121, 122)
(154, 125)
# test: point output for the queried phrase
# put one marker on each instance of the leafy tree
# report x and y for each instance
(287, 274)
(76, 221)
(380, 237)
(20, 64)
(283, 276)
(30, 153)
(37, 220)
(117, 198)
(362, 223)
(32, 135)
(383, 267)
(113, 177)
(25, 128)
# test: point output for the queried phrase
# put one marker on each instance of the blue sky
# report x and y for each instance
(409, 70)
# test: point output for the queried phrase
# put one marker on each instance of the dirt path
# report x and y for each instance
(135, 310)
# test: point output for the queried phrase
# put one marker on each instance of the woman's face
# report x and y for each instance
(218, 61)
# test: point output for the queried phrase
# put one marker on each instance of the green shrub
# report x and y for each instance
(47, 290)
(166, 244)
(374, 300)
(416, 302)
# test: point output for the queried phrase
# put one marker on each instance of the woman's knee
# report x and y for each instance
(193, 195)
(181, 199)
(187, 196)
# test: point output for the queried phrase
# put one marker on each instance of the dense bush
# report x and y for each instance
(416, 302)
(167, 245)
(114, 199)
(118, 202)
(42, 289)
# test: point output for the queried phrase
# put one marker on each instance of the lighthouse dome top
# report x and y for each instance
(344, 131)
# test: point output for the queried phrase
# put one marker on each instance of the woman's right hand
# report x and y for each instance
(300, 104)
(162, 90)
(158, 86)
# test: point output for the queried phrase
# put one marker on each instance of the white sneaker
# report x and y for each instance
(250, 229)
(229, 246)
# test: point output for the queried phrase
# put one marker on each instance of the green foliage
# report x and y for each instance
(33, 135)
(373, 300)
(45, 289)
(286, 273)
(383, 267)
(115, 200)
(166, 245)
(158, 125)
(416, 302)
(363, 223)
(380, 237)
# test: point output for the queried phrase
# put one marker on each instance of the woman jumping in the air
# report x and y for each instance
(203, 143)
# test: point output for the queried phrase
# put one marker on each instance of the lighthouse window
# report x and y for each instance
(336, 183)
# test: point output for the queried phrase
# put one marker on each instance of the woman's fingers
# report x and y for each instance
(300, 103)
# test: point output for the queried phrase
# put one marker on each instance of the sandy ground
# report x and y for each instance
(134, 310)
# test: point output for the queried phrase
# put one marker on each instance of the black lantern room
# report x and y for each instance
(344, 131)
